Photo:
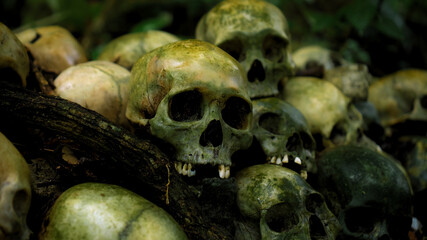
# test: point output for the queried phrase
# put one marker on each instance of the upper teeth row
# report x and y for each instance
(285, 159)
(186, 170)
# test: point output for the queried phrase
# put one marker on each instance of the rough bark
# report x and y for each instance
(140, 158)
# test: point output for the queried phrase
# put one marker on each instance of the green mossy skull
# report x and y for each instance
(97, 85)
(256, 34)
(13, 57)
(400, 96)
(327, 110)
(53, 48)
(193, 95)
(283, 133)
(91, 211)
(279, 204)
(15, 192)
(369, 193)
(127, 49)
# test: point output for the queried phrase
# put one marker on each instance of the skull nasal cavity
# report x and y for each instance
(256, 72)
(212, 135)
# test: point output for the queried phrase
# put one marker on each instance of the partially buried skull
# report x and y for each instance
(192, 94)
(14, 62)
(256, 34)
(283, 134)
(104, 211)
(276, 203)
(369, 193)
(127, 49)
(15, 192)
(327, 110)
(101, 86)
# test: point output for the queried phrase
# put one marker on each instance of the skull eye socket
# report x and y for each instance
(274, 48)
(361, 219)
(234, 47)
(236, 113)
(399, 226)
(270, 122)
(423, 101)
(186, 106)
(281, 217)
(20, 202)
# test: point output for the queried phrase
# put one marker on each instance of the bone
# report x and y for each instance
(279, 161)
(224, 171)
(304, 174)
(285, 159)
(178, 167)
(298, 161)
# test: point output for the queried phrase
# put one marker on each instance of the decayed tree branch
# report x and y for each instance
(139, 157)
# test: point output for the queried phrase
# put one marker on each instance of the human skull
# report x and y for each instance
(127, 49)
(353, 80)
(15, 192)
(104, 211)
(368, 191)
(256, 34)
(313, 60)
(13, 56)
(101, 86)
(283, 133)
(192, 94)
(400, 96)
(328, 112)
(282, 205)
(53, 48)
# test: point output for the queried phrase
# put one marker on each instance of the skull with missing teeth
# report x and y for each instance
(256, 34)
(192, 94)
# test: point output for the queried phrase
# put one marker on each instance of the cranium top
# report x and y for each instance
(245, 16)
(193, 95)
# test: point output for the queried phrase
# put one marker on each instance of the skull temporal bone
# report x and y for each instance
(256, 34)
(192, 94)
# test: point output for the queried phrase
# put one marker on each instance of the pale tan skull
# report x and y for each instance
(104, 211)
(101, 86)
(53, 48)
(256, 34)
(193, 95)
(15, 192)
(327, 110)
(13, 56)
(127, 49)
(400, 96)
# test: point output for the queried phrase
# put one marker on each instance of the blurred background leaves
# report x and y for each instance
(386, 35)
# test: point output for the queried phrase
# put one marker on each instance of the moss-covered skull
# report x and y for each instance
(328, 112)
(127, 49)
(278, 204)
(103, 211)
(15, 192)
(368, 192)
(101, 86)
(13, 57)
(283, 133)
(256, 34)
(53, 48)
(193, 95)
(400, 96)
